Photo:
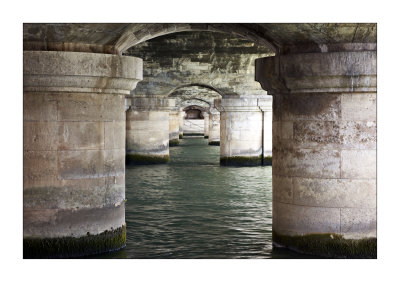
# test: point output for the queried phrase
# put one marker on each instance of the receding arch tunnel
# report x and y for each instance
(80, 78)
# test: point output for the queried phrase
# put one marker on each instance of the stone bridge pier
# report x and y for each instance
(213, 127)
(324, 151)
(147, 130)
(241, 131)
(74, 151)
(206, 124)
(174, 126)
(181, 118)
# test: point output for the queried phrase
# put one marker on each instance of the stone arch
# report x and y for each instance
(137, 33)
(172, 91)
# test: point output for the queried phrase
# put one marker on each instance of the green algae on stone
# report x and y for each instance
(328, 245)
(70, 247)
(173, 142)
(180, 136)
(137, 159)
(240, 161)
(213, 143)
(193, 134)
(267, 160)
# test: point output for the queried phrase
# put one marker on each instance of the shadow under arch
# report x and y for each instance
(138, 33)
(203, 85)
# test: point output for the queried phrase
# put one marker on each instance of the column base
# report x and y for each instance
(213, 143)
(138, 159)
(69, 247)
(240, 161)
(173, 142)
(327, 245)
(267, 161)
(193, 134)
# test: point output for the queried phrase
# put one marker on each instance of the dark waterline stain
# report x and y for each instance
(193, 208)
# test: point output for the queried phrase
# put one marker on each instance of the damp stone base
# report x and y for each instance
(324, 151)
(74, 152)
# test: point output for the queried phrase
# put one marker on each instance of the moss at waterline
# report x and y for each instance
(240, 161)
(173, 142)
(136, 159)
(69, 247)
(180, 136)
(328, 245)
(213, 143)
(205, 137)
(193, 134)
(267, 160)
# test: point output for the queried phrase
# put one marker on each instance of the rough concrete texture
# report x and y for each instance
(147, 129)
(193, 127)
(324, 152)
(117, 37)
(174, 117)
(241, 130)
(218, 62)
(74, 132)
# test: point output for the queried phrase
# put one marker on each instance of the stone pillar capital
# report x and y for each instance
(159, 104)
(335, 72)
(53, 71)
(265, 105)
(237, 105)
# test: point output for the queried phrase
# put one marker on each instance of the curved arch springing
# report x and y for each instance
(137, 33)
(203, 85)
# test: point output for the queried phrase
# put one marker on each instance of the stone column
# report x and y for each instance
(181, 118)
(241, 131)
(213, 127)
(206, 124)
(147, 130)
(174, 117)
(74, 151)
(266, 107)
(324, 149)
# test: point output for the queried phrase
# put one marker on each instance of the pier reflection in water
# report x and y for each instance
(195, 208)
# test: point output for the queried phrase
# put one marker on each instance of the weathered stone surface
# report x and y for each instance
(241, 128)
(358, 222)
(358, 164)
(307, 162)
(324, 151)
(174, 117)
(282, 189)
(52, 223)
(118, 37)
(297, 220)
(339, 193)
(220, 61)
(74, 149)
(147, 128)
(359, 107)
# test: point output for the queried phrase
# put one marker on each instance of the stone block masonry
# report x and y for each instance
(324, 149)
(147, 130)
(214, 127)
(241, 132)
(74, 151)
(174, 121)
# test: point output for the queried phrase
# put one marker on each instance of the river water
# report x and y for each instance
(194, 208)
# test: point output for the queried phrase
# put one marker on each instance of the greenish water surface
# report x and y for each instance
(194, 208)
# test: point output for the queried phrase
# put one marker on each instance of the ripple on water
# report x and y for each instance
(195, 208)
